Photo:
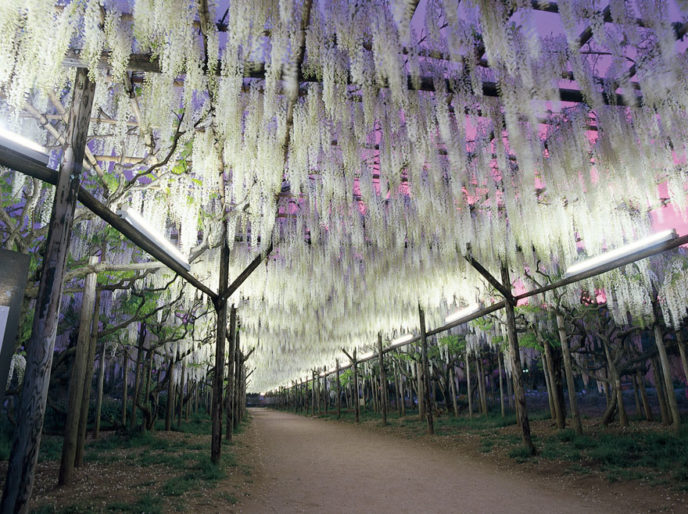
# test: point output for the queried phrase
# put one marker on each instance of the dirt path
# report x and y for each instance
(311, 465)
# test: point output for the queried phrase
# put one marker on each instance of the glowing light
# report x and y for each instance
(24, 146)
(135, 219)
(462, 313)
(624, 251)
(402, 339)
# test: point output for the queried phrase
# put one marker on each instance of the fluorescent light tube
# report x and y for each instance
(624, 251)
(24, 146)
(139, 223)
(402, 339)
(462, 313)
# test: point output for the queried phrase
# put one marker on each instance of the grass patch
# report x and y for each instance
(147, 503)
(177, 486)
(520, 454)
(229, 498)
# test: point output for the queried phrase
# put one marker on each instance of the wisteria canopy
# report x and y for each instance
(373, 143)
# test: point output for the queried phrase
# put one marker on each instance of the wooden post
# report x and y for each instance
(237, 382)
(125, 385)
(88, 379)
(357, 405)
(558, 407)
(383, 379)
(426, 372)
(230, 371)
(468, 385)
(220, 341)
(326, 394)
(99, 396)
(27, 433)
(501, 382)
(452, 389)
(666, 371)
(682, 351)
(76, 382)
(182, 381)
(339, 392)
(137, 376)
(568, 370)
(169, 413)
(516, 367)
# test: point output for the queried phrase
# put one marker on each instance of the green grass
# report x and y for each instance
(229, 498)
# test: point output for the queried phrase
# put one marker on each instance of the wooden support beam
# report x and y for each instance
(236, 283)
(27, 434)
(425, 370)
(504, 289)
(220, 343)
(339, 391)
(354, 365)
(517, 369)
(383, 379)
(231, 338)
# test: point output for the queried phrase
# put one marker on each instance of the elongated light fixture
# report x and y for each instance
(462, 313)
(625, 251)
(402, 339)
(139, 223)
(24, 146)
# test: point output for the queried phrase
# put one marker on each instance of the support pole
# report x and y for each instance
(230, 372)
(383, 379)
(568, 369)
(426, 372)
(40, 348)
(76, 382)
(517, 368)
(339, 392)
(220, 335)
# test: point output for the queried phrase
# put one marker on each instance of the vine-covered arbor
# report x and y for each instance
(332, 175)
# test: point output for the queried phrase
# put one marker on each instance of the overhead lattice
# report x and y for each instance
(371, 141)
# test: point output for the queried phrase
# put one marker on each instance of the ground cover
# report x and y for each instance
(151, 472)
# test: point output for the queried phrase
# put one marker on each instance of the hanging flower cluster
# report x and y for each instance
(372, 144)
